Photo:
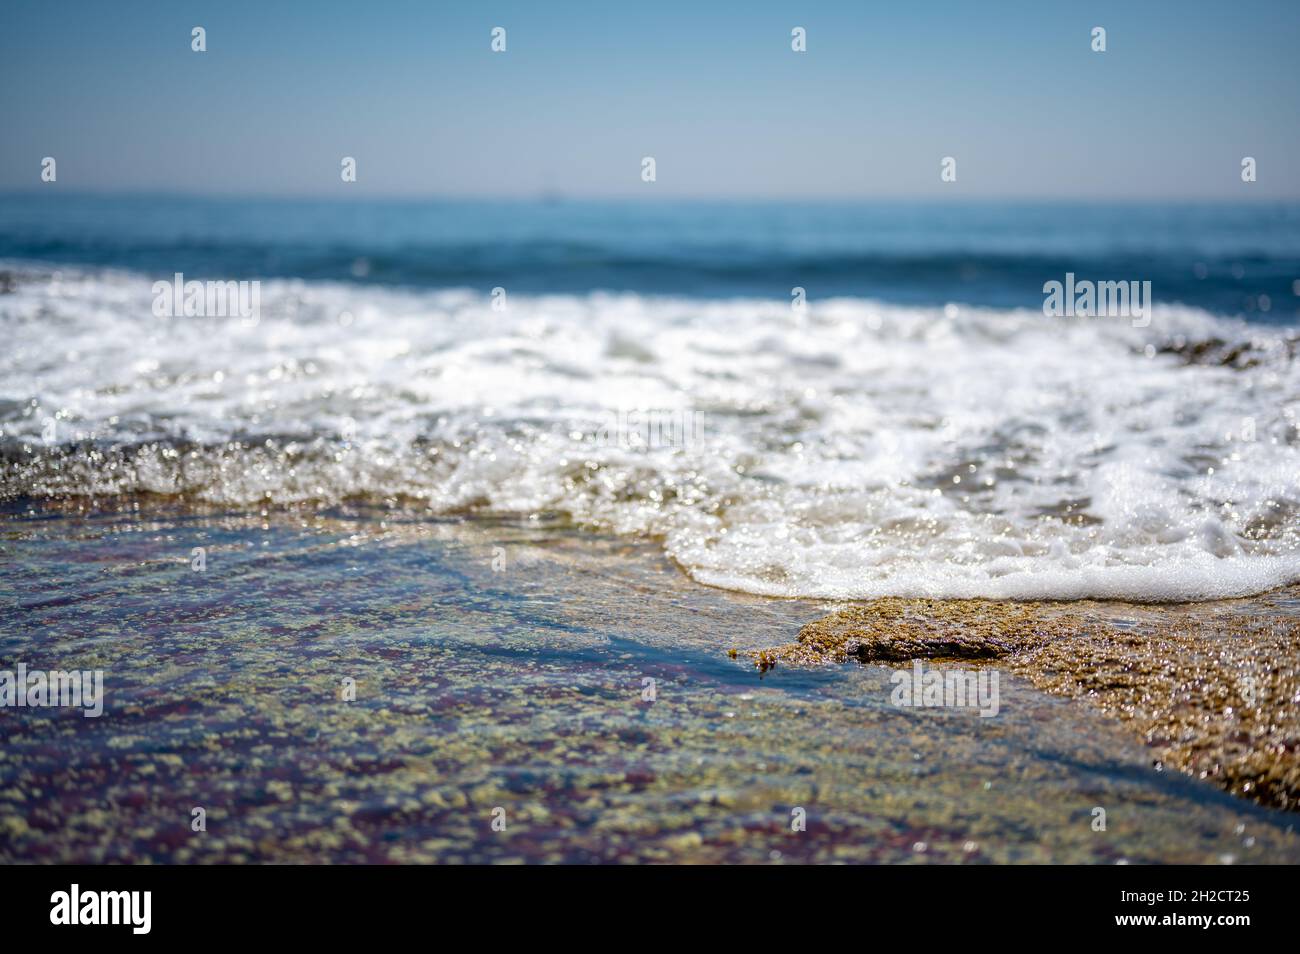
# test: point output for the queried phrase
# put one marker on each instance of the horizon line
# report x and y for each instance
(559, 197)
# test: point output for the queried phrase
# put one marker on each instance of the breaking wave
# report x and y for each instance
(854, 449)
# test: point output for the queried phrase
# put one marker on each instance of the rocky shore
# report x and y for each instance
(1212, 689)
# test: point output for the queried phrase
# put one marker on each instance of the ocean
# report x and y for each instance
(833, 401)
(395, 528)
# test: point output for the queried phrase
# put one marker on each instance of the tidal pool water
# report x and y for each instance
(504, 711)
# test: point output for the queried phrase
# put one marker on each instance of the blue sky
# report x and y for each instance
(713, 91)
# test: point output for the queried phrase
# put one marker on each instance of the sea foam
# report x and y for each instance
(852, 449)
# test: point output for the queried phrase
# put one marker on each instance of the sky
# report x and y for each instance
(1013, 91)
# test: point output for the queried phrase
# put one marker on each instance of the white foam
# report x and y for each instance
(831, 440)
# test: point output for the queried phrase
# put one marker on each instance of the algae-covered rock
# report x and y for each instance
(1213, 689)
(896, 630)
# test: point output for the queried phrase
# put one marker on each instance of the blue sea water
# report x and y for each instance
(1230, 259)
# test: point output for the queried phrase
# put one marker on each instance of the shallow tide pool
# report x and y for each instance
(524, 691)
